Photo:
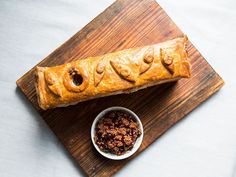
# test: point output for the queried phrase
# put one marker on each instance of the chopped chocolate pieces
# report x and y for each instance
(117, 132)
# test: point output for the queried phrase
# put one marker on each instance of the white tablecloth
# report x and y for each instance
(203, 144)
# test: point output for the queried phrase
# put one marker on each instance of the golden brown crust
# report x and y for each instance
(99, 71)
(114, 73)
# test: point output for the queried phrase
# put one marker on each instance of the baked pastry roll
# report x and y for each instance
(114, 73)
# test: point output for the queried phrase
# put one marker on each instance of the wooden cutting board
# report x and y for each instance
(125, 24)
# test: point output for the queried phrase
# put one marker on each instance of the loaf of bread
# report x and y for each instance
(114, 73)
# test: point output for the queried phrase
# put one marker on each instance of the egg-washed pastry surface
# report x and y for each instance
(123, 71)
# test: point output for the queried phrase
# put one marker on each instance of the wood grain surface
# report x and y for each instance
(124, 24)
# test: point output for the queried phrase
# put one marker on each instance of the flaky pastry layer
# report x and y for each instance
(114, 73)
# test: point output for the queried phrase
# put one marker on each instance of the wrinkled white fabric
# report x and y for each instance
(203, 144)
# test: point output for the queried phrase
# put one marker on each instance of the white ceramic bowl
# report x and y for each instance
(137, 143)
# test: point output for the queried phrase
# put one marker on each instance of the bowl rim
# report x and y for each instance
(137, 143)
